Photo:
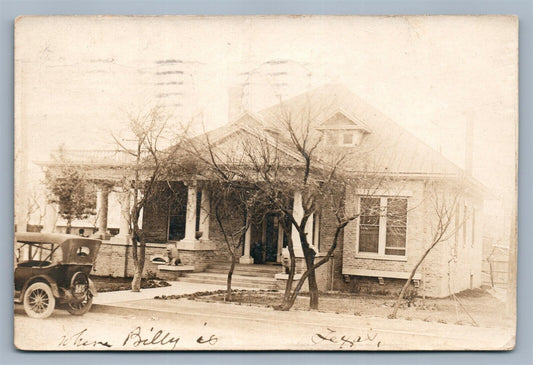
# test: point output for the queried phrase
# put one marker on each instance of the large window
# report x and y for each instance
(383, 226)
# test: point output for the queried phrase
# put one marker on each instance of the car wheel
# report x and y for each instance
(82, 307)
(39, 301)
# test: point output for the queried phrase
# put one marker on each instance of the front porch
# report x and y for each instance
(180, 215)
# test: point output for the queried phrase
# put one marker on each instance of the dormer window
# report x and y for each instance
(344, 131)
(350, 138)
(347, 139)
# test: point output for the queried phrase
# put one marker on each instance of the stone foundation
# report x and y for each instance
(200, 259)
(373, 286)
(115, 259)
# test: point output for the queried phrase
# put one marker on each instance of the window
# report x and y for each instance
(369, 222)
(396, 226)
(383, 226)
(347, 139)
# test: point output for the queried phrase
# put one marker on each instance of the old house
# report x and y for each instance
(376, 251)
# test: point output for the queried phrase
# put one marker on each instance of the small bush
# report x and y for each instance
(151, 275)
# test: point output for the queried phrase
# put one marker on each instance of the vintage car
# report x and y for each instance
(54, 268)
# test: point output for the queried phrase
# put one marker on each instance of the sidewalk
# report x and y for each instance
(175, 288)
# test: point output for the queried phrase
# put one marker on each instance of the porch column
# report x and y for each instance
(246, 258)
(190, 220)
(309, 229)
(205, 213)
(102, 196)
(50, 218)
(298, 213)
(123, 235)
(280, 241)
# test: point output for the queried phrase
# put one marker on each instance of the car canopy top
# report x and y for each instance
(76, 249)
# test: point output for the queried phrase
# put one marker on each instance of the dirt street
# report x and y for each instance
(185, 325)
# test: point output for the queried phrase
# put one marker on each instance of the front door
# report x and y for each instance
(271, 235)
(176, 221)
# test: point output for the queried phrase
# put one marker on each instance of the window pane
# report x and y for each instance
(369, 225)
(395, 237)
(396, 226)
(368, 238)
(397, 252)
(347, 138)
(370, 207)
(396, 212)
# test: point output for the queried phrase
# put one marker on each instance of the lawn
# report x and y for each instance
(108, 283)
(485, 310)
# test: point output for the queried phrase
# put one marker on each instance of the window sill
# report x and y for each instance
(379, 257)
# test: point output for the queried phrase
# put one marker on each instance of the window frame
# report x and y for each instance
(382, 232)
(344, 134)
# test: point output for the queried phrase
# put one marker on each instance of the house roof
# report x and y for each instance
(391, 148)
(386, 147)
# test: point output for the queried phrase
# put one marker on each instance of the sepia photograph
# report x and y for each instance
(260, 183)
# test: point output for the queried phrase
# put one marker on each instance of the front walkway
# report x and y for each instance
(175, 288)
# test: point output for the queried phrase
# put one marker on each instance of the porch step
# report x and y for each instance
(266, 271)
(237, 280)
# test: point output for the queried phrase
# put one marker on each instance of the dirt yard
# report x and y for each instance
(485, 310)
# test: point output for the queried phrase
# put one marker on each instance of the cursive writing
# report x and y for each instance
(159, 337)
(138, 337)
(79, 340)
(344, 341)
(211, 340)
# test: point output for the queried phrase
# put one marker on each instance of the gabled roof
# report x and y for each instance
(397, 150)
(247, 124)
(386, 145)
(353, 123)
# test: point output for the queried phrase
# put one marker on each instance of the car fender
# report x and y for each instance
(92, 288)
(43, 278)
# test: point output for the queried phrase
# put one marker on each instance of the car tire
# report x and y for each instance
(80, 308)
(39, 301)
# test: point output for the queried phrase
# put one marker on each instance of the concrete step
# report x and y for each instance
(256, 268)
(244, 272)
(217, 276)
(234, 283)
(237, 280)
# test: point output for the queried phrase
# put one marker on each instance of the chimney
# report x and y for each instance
(469, 145)
(235, 100)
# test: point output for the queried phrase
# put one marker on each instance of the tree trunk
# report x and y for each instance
(311, 269)
(290, 278)
(137, 276)
(311, 279)
(230, 275)
(139, 250)
(69, 226)
(286, 304)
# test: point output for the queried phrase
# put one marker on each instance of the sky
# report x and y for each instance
(77, 78)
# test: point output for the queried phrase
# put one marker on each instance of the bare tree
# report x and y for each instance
(285, 161)
(444, 224)
(35, 207)
(234, 206)
(151, 167)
